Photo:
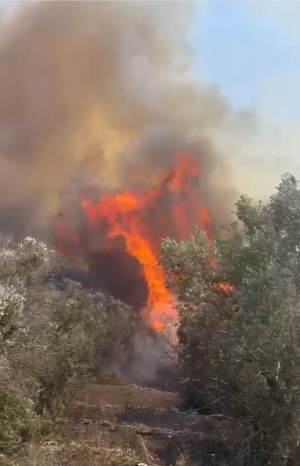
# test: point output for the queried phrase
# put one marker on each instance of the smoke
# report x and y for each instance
(152, 364)
(101, 92)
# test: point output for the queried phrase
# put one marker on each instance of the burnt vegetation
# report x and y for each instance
(238, 341)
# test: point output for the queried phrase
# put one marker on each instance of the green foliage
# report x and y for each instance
(239, 344)
(18, 421)
(52, 339)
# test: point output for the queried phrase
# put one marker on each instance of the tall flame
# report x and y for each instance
(142, 217)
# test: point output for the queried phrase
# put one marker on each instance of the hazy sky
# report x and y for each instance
(251, 49)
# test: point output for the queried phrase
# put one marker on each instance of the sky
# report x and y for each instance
(251, 50)
(242, 45)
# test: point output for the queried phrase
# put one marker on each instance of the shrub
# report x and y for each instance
(239, 322)
(53, 337)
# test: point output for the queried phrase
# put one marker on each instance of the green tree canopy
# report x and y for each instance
(239, 344)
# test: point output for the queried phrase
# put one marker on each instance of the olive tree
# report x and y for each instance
(54, 335)
(239, 332)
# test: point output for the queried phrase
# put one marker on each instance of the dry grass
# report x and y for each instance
(78, 453)
(89, 448)
(59, 453)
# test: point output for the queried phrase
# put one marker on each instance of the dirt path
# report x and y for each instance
(148, 422)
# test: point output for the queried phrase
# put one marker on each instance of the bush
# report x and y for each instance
(239, 324)
(53, 337)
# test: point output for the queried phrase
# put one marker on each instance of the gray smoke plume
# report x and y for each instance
(153, 363)
(100, 92)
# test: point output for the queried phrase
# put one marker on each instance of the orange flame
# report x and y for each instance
(143, 217)
(225, 287)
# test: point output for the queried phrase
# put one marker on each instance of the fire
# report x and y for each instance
(122, 213)
(225, 287)
(141, 218)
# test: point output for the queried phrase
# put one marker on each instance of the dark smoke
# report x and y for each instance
(121, 276)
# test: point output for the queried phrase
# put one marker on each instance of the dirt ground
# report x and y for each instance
(124, 425)
(149, 423)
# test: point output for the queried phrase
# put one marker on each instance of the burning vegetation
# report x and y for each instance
(103, 122)
(120, 233)
(102, 119)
